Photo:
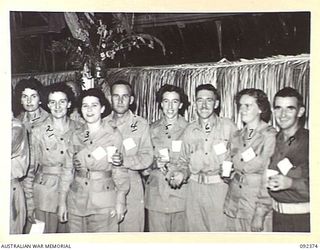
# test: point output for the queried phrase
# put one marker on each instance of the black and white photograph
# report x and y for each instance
(161, 124)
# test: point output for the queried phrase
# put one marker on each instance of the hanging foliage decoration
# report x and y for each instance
(94, 42)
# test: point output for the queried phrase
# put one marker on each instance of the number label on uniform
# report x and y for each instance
(176, 146)
(248, 155)
(129, 144)
(99, 153)
(220, 148)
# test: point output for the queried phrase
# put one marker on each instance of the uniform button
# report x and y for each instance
(61, 139)
(61, 151)
(169, 137)
(47, 149)
(89, 155)
(14, 189)
(240, 186)
(206, 139)
(244, 145)
(241, 159)
(107, 187)
(86, 183)
(90, 142)
(32, 126)
(206, 153)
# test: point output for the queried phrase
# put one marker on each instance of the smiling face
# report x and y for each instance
(121, 98)
(206, 103)
(58, 104)
(287, 113)
(171, 104)
(30, 100)
(249, 109)
(91, 109)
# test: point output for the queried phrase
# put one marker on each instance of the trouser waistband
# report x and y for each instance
(291, 208)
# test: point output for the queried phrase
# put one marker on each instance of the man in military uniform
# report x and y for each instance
(289, 188)
(138, 151)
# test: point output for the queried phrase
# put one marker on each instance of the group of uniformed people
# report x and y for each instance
(89, 164)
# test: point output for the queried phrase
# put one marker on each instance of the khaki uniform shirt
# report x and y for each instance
(138, 150)
(30, 123)
(247, 194)
(159, 195)
(204, 152)
(296, 150)
(87, 196)
(49, 150)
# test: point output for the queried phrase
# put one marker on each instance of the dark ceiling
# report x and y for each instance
(188, 38)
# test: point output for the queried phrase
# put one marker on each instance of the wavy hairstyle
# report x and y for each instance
(261, 100)
(102, 99)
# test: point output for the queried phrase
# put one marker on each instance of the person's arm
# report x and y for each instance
(121, 179)
(20, 154)
(66, 178)
(29, 179)
(264, 202)
(179, 173)
(144, 156)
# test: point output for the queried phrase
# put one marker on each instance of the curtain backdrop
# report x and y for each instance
(269, 74)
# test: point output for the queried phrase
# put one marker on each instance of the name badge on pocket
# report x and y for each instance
(129, 144)
(248, 155)
(99, 153)
(220, 148)
(164, 154)
(284, 165)
(176, 146)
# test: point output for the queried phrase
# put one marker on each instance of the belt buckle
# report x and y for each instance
(88, 174)
(201, 178)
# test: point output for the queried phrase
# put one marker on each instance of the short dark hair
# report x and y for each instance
(102, 99)
(291, 92)
(210, 87)
(27, 83)
(133, 105)
(172, 88)
(122, 82)
(59, 87)
(261, 99)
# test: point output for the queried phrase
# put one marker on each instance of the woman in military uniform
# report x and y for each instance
(94, 184)
(49, 151)
(247, 201)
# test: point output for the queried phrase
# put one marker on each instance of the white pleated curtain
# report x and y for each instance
(270, 75)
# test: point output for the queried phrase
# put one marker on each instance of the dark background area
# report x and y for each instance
(188, 38)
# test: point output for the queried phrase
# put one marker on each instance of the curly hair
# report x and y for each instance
(102, 99)
(59, 87)
(171, 88)
(30, 83)
(261, 99)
